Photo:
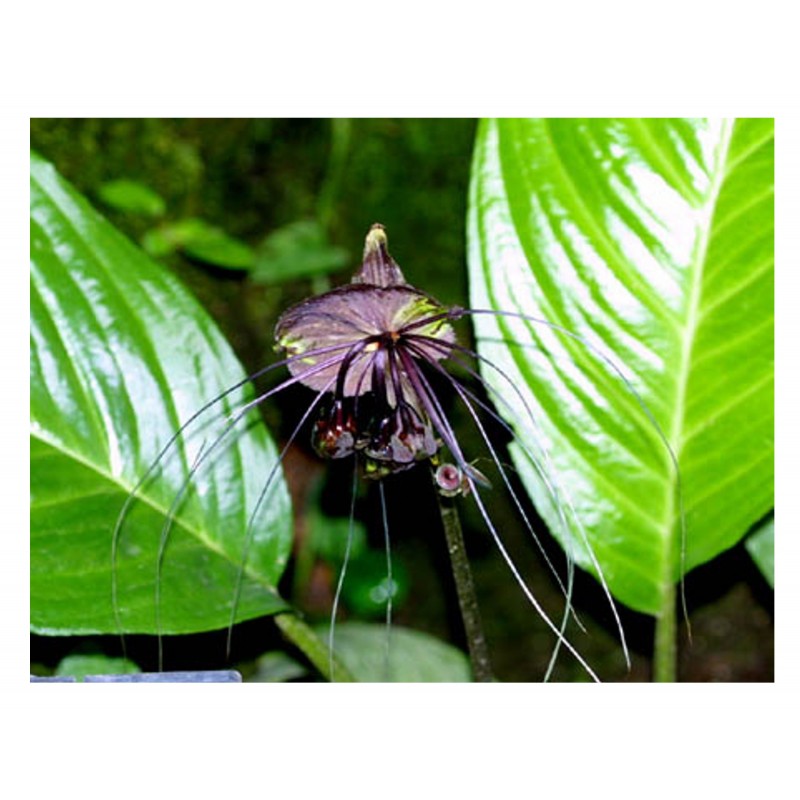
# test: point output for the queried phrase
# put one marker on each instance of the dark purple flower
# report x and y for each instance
(369, 345)
(383, 330)
(368, 350)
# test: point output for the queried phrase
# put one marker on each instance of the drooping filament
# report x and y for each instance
(384, 408)
(368, 350)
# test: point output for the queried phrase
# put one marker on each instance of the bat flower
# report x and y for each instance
(367, 349)
(364, 345)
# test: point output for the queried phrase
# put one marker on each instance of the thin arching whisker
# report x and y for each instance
(432, 404)
(466, 396)
(462, 391)
(645, 409)
(248, 538)
(553, 490)
(313, 370)
(229, 426)
(345, 562)
(567, 592)
(550, 485)
(134, 492)
(541, 471)
(531, 598)
(575, 516)
(557, 488)
(389, 579)
(338, 379)
(571, 338)
(158, 586)
(233, 420)
(116, 531)
(570, 565)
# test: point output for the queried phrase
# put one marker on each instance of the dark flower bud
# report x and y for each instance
(450, 480)
(334, 434)
(402, 438)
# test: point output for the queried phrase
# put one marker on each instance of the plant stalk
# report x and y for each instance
(304, 638)
(665, 653)
(465, 588)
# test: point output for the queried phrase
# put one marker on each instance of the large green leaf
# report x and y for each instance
(298, 250)
(653, 240)
(121, 355)
(414, 657)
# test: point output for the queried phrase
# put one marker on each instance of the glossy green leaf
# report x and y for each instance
(414, 657)
(212, 245)
(121, 356)
(652, 240)
(298, 250)
(200, 240)
(761, 546)
(79, 666)
(277, 667)
(132, 197)
(160, 242)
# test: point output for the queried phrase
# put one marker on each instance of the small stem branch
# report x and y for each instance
(304, 638)
(665, 652)
(465, 588)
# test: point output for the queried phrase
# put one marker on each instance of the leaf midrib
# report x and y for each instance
(149, 501)
(675, 512)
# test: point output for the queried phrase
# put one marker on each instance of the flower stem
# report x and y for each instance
(465, 588)
(304, 638)
(666, 651)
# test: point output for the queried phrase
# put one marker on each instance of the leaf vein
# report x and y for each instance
(748, 152)
(724, 297)
(726, 408)
(733, 343)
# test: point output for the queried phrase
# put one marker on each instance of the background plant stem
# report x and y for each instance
(666, 650)
(304, 638)
(465, 588)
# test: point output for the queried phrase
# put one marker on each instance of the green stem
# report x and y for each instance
(304, 638)
(465, 588)
(666, 649)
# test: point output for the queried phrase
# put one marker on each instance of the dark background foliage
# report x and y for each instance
(250, 178)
